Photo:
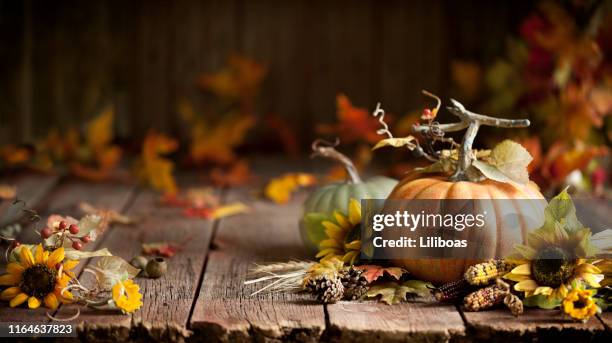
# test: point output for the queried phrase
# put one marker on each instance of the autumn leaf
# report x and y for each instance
(7, 192)
(507, 162)
(279, 189)
(392, 293)
(153, 168)
(111, 215)
(354, 124)
(240, 79)
(215, 142)
(397, 142)
(13, 155)
(562, 159)
(217, 212)
(373, 272)
(238, 174)
(161, 248)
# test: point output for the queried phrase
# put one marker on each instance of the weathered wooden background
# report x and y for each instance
(61, 60)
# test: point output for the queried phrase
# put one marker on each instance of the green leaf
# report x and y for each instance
(561, 209)
(392, 293)
(541, 301)
(112, 269)
(397, 142)
(73, 254)
(314, 229)
(507, 163)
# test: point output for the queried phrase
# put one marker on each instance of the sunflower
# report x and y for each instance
(579, 304)
(342, 240)
(38, 278)
(551, 260)
(126, 295)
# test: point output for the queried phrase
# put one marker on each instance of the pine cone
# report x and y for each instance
(355, 284)
(326, 289)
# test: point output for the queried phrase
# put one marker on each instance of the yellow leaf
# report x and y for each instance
(229, 210)
(100, 130)
(397, 142)
(279, 189)
(153, 168)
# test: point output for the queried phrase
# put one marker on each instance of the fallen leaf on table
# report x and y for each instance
(161, 248)
(238, 174)
(153, 168)
(279, 189)
(217, 212)
(110, 269)
(13, 155)
(392, 293)
(373, 272)
(7, 192)
(111, 215)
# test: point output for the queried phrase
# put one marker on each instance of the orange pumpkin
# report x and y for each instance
(530, 209)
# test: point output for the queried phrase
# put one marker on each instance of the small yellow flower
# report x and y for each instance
(126, 295)
(579, 304)
(343, 236)
(38, 278)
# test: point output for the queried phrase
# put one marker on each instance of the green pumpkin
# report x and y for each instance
(322, 203)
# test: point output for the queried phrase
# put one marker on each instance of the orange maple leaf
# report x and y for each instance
(215, 143)
(237, 174)
(355, 124)
(373, 272)
(562, 159)
(153, 168)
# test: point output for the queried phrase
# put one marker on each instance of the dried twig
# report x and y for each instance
(327, 149)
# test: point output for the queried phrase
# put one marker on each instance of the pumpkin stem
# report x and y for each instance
(327, 149)
(472, 121)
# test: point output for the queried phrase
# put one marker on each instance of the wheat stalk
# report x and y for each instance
(284, 276)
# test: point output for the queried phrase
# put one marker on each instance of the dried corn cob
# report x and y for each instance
(484, 298)
(452, 291)
(483, 273)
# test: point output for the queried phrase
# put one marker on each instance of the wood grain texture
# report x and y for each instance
(377, 322)
(534, 324)
(64, 200)
(31, 188)
(225, 311)
(168, 300)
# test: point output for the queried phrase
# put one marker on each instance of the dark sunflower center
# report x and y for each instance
(551, 267)
(580, 304)
(38, 280)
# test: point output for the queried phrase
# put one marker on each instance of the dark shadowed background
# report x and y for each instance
(63, 60)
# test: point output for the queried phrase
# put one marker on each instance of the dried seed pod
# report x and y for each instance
(487, 297)
(139, 262)
(156, 267)
(484, 273)
(452, 291)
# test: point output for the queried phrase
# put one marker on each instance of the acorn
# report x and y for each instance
(139, 262)
(156, 267)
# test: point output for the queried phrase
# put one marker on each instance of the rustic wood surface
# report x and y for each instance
(202, 298)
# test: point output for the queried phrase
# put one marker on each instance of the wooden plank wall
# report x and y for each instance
(62, 60)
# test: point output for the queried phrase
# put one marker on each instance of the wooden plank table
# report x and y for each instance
(203, 298)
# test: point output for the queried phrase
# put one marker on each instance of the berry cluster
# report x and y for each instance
(65, 231)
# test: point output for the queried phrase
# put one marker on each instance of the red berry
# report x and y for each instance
(77, 245)
(62, 225)
(86, 239)
(46, 232)
(16, 244)
(427, 112)
(73, 229)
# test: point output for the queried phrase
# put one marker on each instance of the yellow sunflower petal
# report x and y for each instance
(354, 212)
(14, 268)
(9, 293)
(592, 279)
(543, 290)
(69, 264)
(341, 219)
(39, 254)
(328, 243)
(587, 268)
(517, 278)
(9, 279)
(350, 257)
(55, 257)
(523, 269)
(51, 301)
(26, 257)
(526, 286)
(18, 299)
(33, 302)
(560, 292)
(326, 252)
(331, 229)
(354, 245)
